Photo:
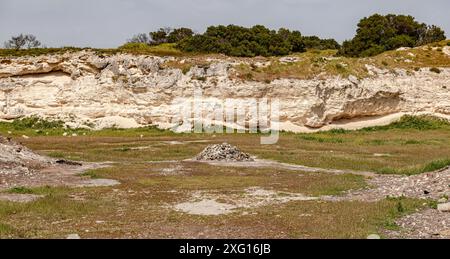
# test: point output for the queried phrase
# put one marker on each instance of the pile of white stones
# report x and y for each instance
(223, 152)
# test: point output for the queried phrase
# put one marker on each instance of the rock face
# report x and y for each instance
(89, 90)
(223, 152)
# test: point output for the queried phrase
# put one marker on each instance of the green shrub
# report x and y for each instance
(21, 190)
(37, 123)
(414, 122)
(239, 41)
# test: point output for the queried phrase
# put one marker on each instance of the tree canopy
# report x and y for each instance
(258, 40)
(21, 41)
(379, 33)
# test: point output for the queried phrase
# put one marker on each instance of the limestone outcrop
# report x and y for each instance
(86, 89)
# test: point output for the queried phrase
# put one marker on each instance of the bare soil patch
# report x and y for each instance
(207, 203)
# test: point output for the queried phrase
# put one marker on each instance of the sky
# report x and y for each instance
(109, 23)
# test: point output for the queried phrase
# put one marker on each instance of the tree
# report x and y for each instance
(22, 41)
(379, 33)
(179, 34)
(430, 35)
(314, 42)
(160, 36)
(140, 38)
(244, 42)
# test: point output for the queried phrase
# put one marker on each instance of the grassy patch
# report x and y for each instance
(7, 230)
(21, 190)
(167, 49)
(36, 52)
(322, 64)
(414, 122)
(311, 137)
(321, 219)
(36, 123)
(417, 169)
(91, 174)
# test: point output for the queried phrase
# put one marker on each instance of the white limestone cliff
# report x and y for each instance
(90, 90)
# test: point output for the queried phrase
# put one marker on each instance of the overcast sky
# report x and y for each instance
(108, 23)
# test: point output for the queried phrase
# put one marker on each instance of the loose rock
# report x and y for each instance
(223, 152)
(444, 207)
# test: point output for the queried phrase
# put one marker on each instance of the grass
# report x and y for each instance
(311, 64)
(36, 52)
(327, 220)
(36, 123)
(417, 169)
(411, 145)
(167, 49)
(205, 177)
(139, 207)
(21, 190)
(131, 48)
(322, 64)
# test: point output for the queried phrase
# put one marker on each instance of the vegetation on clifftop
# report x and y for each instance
(375, 34)
(378, 33)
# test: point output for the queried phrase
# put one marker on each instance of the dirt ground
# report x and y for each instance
(185, 198)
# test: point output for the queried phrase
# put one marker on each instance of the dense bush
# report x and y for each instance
(177, 35)
(245, 42)
(233, 40)
(161, 36)
(314, 42)
(379, 33)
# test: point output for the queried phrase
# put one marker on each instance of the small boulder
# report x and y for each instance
(444, 207)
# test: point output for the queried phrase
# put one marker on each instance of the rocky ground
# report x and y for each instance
(16, 159)
(21, 167)
(430, 223)
(433, 185)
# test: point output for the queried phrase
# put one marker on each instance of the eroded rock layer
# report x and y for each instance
(89, 90)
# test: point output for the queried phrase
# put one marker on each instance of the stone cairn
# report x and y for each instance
(223, 152)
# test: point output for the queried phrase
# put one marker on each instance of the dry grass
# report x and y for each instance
(138, 207)
(322, 64)
(412, 146)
